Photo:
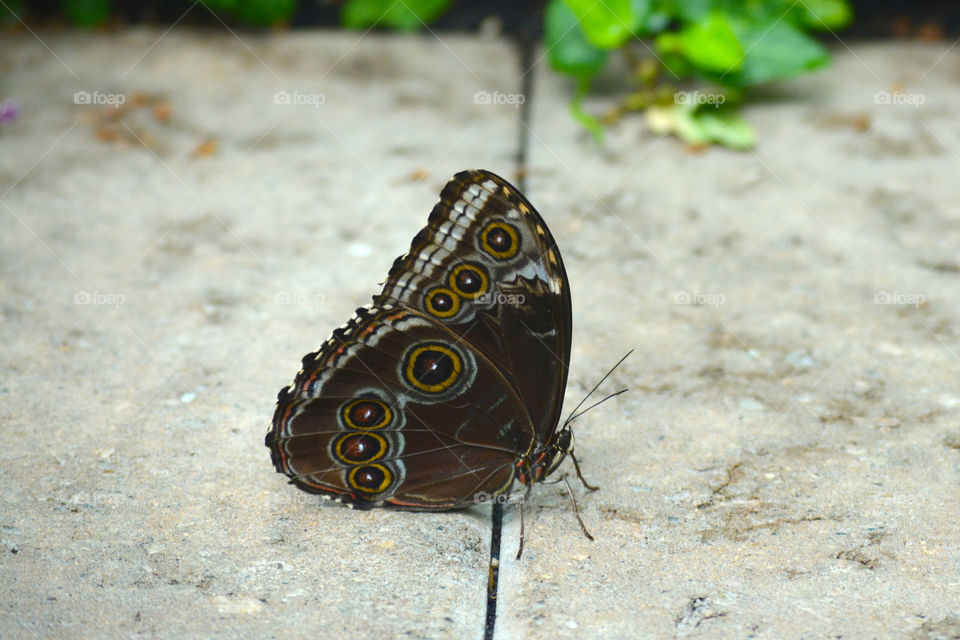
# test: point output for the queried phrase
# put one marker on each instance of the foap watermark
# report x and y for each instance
(482, 497)
(95, 499)
(698, 98)
(495, 97)
(99, 298)
(299, 98)
(505, 299)
(899, 97)
(299, 297)
(916, 300)
(99, 98)
(296, 500)
(699, 298)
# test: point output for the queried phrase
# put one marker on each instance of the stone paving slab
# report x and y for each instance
(786, 465)
(157, 295)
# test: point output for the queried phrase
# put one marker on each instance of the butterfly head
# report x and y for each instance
(558, 450)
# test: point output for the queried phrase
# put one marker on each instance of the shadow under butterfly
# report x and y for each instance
(447, 390)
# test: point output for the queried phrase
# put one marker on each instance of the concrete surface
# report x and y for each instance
(786, 465)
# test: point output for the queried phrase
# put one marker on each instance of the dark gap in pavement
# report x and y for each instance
(525, 45)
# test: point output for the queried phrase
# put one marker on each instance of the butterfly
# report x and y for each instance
(446, 391)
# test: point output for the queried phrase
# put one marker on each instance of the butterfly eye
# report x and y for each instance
(366, 414)
(469, 281)
(357, 448)
(432, 368)
(442, 303)
(371, 478)
(500, 240)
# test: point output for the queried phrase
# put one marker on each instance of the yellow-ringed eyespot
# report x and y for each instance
(366, 413)
(357, 448)
(432, 368)
(370, 478)
(500, 240)
(469, 281)
(442, 303)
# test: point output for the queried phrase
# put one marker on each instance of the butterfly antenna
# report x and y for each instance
(596, 404)
(574, 414)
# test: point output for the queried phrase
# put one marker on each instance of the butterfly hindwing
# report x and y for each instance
(394, 410)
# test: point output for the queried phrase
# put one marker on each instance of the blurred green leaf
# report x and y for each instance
(263, 12)
(710, 44)
(726, 127)
(86, 13)
(606, 23)
(702, 126)
(221, 6)
(774, 52)
(670, 52)
(648, 18)
(13, 12)
(403, 15)
(586, 120)
(688, 10)
(641, 13)
(568, 49)
(826, 14)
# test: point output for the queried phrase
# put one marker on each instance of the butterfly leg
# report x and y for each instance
(589, 486)
(576, 511)
(520, 548)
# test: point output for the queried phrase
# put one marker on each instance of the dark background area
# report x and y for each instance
(927, 20)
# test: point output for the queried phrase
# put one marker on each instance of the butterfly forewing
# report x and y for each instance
(487, 267)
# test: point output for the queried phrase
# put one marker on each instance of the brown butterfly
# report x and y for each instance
(446, 391)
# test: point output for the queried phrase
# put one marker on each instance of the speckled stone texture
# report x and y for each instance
(786, 464)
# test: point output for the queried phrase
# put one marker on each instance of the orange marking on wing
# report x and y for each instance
(314, 485)
(283, 459)
(286, 416)
(418, 505)
(309, 379)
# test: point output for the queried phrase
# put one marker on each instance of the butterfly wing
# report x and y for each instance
(396, 410)
(487, 268)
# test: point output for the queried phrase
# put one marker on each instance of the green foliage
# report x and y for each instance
(86, 13)
(567, 45)
(255, 12)
(825, 14)
(708, 44)
(702, 125)
(606, 24)
(91, 13)
(733, 45)
(405, 15)
(586, 120)
(13, 12)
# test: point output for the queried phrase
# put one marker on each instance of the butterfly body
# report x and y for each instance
(446, 390)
